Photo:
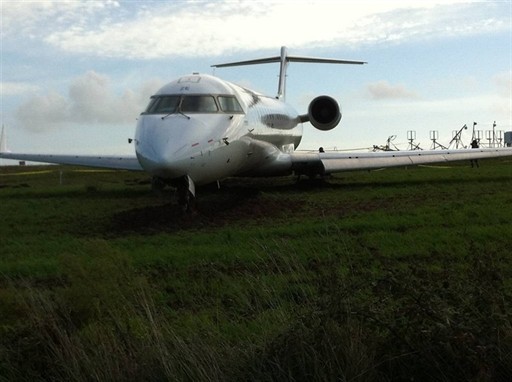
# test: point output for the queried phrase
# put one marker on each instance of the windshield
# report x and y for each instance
(229, 104)
(163, 105)
(198, 104)
(169, 104)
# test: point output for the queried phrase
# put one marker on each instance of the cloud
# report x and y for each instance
(430, 21)
(17, 88)
(211, 28)
(91, 100)
(384, 90)
(502, 106)
(40, 112)
(31, 18)
(503, 82)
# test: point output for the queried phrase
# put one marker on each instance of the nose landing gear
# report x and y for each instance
(186, 192)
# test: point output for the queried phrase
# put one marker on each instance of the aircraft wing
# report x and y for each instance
(117, 162)
(331, 162)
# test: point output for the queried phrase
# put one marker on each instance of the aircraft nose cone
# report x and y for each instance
(161, 160)
(162, 145)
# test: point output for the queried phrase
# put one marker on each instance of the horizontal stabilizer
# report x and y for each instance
(305, 59)
(284, 59)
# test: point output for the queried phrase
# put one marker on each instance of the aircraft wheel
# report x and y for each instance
(157, 184)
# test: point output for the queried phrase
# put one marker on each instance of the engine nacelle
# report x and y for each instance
(323, 113)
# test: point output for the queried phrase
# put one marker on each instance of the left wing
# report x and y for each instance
(310, 163)
(117, 162)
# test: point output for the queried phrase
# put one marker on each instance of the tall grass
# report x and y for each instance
(319, 321)
(371, 276)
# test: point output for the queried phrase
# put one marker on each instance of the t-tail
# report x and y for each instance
(3, 141)
(284, 59)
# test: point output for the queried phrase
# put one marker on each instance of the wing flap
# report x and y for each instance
(101, 161)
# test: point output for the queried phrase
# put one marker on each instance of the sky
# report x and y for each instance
(76, 74)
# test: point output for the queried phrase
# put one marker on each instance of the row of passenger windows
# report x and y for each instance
(167, 104)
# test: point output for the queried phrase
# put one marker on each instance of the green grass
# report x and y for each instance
(402, 274)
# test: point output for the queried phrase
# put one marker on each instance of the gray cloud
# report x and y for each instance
(91, 100)
(503, 82)
(41, 112)
(16, 88)
(384, 90)
(502, 105)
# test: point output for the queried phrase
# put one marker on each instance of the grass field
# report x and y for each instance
(395, 275)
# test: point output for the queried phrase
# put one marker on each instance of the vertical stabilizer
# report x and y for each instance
(3, 141)
(3, 144)
(281, 90)
(284, 59)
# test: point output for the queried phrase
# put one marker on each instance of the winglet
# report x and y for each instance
(284, 59)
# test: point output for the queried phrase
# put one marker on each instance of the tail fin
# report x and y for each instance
(3, 141)
(284, 59)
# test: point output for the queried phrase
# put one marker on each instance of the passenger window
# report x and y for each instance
(230, 104)
(198, 104)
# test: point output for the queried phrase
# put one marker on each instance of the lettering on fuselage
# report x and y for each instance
(278, 121)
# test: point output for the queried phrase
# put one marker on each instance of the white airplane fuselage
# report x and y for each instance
(208, 129)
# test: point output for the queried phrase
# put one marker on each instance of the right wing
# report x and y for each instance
(118, 162)
(331, 162)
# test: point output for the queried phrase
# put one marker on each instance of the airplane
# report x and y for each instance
(200, 129)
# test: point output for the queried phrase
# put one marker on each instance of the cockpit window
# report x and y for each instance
(169, 104)
(198, 104)
(229, 104)
(163, 105)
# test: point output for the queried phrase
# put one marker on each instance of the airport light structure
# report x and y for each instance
(457, 137)
(434, 136)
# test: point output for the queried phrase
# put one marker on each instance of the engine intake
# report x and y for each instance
(323, 113)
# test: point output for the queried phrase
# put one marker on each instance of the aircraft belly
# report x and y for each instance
(208, 166)
(265, 159)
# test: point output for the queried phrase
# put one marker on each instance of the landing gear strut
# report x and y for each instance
(186, 192)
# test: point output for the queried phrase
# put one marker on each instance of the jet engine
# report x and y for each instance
(323, 113)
